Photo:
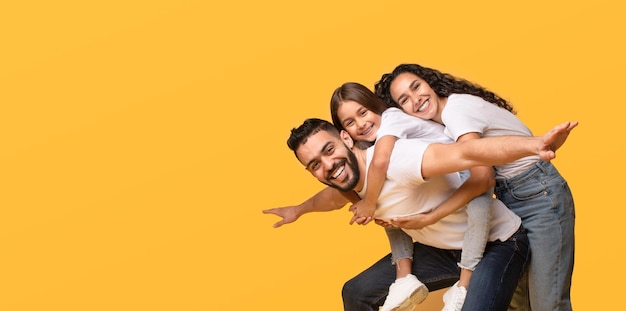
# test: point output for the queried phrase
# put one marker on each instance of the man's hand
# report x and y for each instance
(288, 213)
(554, 139)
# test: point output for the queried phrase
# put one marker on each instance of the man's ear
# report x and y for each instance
(345, 137)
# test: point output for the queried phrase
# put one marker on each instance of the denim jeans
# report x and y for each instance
(542, 198)
(478, 222)
(401, 244)
(491, 287)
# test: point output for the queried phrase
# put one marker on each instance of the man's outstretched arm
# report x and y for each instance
(328, 199)
(441, 159)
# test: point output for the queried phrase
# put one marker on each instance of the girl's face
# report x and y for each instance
(416, 97)
(361, 123)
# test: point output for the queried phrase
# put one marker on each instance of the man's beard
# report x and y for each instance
(351, 163)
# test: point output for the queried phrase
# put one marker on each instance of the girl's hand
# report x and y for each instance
(359, 220)
(362, 211)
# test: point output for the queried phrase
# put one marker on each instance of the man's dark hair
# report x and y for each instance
(310, 126)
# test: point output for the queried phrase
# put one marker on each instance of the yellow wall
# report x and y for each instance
(141, 140)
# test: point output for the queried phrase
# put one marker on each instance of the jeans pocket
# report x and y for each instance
(527, 190)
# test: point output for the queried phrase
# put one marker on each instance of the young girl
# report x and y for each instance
(532, 188)
(355, 109)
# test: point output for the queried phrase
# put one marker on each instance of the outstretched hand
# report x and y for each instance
(554, 139)
(289, 214)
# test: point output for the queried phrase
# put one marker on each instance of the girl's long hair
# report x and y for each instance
(358, 93)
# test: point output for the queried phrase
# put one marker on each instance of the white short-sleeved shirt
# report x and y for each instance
(405, 192)
(464, 113)
(394, 122)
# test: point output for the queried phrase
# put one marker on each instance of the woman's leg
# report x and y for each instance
(542, 198)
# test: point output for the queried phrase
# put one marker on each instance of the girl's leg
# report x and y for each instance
(407, 290)
(401, 251)
(477, 234)
(474, 242)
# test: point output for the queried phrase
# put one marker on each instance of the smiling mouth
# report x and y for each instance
(367, 131)
(337, 170)
(423, 106)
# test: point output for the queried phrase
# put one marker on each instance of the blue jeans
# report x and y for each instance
(542, 198)
(478, 222)
(474, 241)
(491, 287)
(401, 244)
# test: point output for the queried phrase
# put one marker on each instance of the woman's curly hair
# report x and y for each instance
(442, 83)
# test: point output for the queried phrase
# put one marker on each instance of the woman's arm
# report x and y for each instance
(480, 180)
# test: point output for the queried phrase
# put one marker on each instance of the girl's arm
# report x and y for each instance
(328, 199)
(376, 175)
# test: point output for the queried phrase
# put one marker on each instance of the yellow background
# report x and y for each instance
(140, 140)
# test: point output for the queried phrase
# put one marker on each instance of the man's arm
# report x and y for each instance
(442, 159)
(328, 199)
(480, 180)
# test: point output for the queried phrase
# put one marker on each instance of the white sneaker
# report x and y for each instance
(404, 294)
(453, 299)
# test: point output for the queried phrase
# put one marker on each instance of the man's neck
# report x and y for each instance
(361, 157)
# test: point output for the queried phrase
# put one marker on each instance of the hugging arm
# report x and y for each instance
(480, 180)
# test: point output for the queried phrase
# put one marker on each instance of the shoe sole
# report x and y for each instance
(414, 299)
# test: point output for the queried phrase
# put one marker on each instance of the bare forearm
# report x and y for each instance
(328, 199)
(499, 150)
(377, 172)
(442, 159)
(456, 201)
(376, 176)
(481, 180)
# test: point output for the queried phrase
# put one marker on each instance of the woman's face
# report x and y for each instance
(415, 96)
(361, 123)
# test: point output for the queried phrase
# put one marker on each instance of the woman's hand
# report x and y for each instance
(417, 221)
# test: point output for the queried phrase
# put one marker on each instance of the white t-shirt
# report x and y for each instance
(466, 113)
(394, 122)
(405, 192)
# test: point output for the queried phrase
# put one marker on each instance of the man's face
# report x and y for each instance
(328, 159)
